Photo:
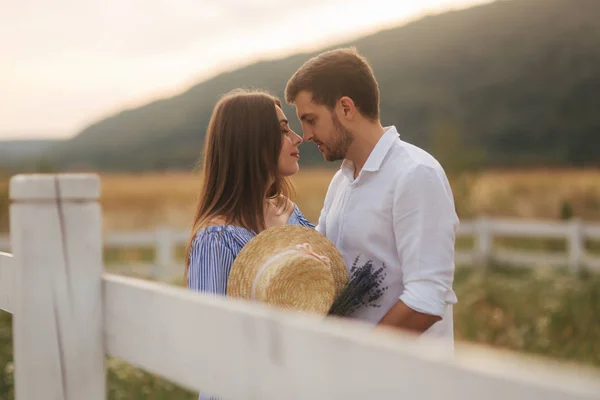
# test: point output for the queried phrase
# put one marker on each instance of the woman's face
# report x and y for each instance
(289, 155)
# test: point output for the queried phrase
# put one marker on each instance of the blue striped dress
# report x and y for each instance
(212, 253)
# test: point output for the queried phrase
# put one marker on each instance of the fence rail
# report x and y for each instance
(575, 233)
(484, 231)
(69, 315)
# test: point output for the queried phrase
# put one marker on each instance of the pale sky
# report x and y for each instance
(67, 63)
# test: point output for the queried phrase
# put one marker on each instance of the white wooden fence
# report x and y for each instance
(575, 233)
(68, 315)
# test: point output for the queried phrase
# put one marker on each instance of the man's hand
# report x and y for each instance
(401, 316)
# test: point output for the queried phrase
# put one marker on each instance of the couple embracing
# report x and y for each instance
(389, 202)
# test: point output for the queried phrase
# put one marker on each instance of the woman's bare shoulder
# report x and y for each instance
(288, 203)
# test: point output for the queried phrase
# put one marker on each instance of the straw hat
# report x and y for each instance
(291, 266)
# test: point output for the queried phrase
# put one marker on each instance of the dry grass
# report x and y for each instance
(535, 194)
(549, 313)
(147, 200)
(144, 201)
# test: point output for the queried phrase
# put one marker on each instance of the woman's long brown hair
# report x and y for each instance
(241, 153)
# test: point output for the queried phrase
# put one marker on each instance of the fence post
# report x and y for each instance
(483, 242)
(576, 244)
(55, 227)
(165, 253)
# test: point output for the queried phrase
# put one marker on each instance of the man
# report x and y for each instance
(390, 202)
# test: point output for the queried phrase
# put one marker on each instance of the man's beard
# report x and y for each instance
(340, 141)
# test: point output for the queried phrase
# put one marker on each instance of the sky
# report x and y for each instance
(67, 63)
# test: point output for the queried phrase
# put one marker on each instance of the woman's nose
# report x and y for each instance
(298, 140)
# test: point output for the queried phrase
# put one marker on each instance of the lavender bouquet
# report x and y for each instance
(361, 290)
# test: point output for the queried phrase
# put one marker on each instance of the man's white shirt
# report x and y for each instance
(399, 212)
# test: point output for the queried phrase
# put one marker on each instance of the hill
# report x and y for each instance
(512, 83)
(14, 152)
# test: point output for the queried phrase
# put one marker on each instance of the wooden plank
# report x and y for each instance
(466, 228)
(529, 228)
(484, 242)
(57, 325)
(42, 187)
(6, 282)
(206, 344)
(181, 237)
(196, 355)
(575, 245)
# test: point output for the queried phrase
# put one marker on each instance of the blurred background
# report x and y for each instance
(503, 93)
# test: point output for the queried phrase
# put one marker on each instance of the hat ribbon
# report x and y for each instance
(307, 248)
(304, 248)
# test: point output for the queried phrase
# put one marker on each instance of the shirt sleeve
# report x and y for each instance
(321, 223)
(425, 224)
(210, 263)
(301, 219)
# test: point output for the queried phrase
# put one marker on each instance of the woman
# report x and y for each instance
(249, 152)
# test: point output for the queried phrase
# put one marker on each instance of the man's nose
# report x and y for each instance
(307, 135)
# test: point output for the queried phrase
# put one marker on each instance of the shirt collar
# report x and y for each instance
(375, 159)
(381, 149)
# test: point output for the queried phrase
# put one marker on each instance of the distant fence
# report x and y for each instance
(483, 231)
(574, 232)
(69, 314)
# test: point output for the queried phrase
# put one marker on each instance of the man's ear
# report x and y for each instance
(347, 107)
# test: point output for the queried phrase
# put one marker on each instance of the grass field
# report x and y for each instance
(147, 200)
(543, 312)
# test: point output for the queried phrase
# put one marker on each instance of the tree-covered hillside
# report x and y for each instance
(512, 83)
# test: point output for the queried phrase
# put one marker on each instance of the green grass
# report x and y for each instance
(550, 313)
(545, 312)
(126, 382)
(593, 246)
(465, 242)
(531, 244)
(6, 357)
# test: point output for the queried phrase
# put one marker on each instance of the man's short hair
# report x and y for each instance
(334, 74)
